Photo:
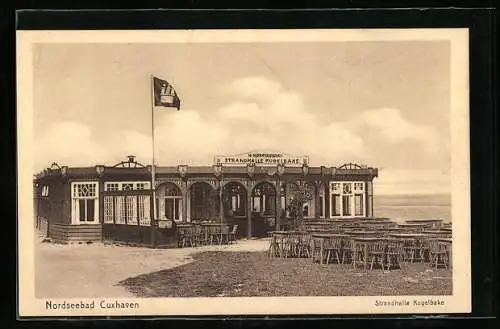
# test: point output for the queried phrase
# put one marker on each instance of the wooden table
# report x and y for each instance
(447, 243)
(437, 233)
(393, 229)
(323, 237)
(361, 233)
(429, 222)
(409, 235)
(413, 225)
(361, 243)
(274, 243)
(211, 228)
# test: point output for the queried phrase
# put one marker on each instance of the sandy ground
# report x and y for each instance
(81, 270)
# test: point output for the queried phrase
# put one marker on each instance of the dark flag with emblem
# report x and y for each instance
(164, 94)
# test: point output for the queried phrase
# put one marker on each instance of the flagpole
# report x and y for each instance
(221, 205)
(153, 167)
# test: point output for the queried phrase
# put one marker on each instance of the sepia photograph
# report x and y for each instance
(243, 172)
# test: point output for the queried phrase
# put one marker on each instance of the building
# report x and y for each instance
(115, 202)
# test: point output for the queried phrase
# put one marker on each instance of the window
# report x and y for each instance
(321, 206)
(305, 210)
(127, 209)
(172, 208)
(45, 190)
(170, 205)
(84, 203)
(125, 186)
(143, 209)
(120, 209)
(358, 205)
(131, 205)
(235, 202)
(256, 204)
(347, 199)
(347, 188)
(321, 201)
(336, 205)
(112, 187)
(346, 205)
(108, 209)
(359, 186)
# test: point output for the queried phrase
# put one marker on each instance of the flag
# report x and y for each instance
(164, 94)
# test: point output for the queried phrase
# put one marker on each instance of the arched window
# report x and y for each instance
(203, 201)
(264, 199)
(169, 201)
(235, 198)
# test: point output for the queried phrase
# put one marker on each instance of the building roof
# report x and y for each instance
(134, 170)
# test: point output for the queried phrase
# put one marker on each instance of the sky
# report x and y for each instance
(383, 104)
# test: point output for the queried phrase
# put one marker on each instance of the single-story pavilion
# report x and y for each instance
(115, 202)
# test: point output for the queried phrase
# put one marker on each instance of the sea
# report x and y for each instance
(416, 206)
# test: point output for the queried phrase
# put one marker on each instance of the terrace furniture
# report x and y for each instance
(215, 234)
(362, 233)
(360, 253)
(413, 245)
(438, 233)
(347, 250)
(273, 245)
(224, 233)
(295, 244)
(376, 253)
(437, 254)
(276, 245)
(305, 245)
(317, 248)
(446, 244)
(414, 227)
(333, 247)
(394, 253)
(319, 245)
(198, 235)
(185, 237)
(432, 223)
(231, 237)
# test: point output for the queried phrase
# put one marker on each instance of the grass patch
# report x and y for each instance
(245, 274)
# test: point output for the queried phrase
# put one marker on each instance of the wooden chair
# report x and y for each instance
(394, 254)
(215, 234)
(231, 237)
(273, 249)
(185, 237)
(198, 235)
(413, 251)
(437, 254)
(376, 253)
(304, 246)
(334, 246)
(347, 250)
(224, 235)
(315, 248)
(292, 243)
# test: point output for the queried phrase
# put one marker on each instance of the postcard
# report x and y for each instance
(243, 172)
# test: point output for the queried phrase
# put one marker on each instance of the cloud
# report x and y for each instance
(394, 128)
(254, 87)
(68, 143)
(262, 115)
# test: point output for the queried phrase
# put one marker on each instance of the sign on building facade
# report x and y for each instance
(262, 159)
